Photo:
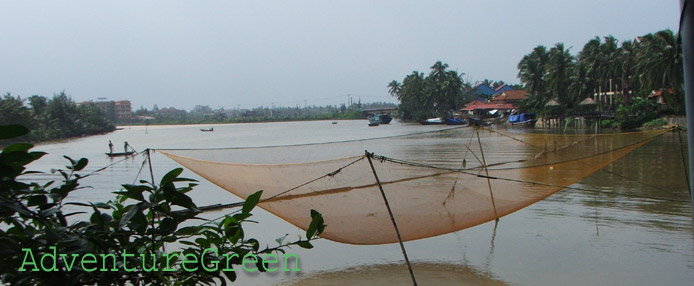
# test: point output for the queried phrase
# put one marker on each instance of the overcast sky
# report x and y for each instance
(251, 53)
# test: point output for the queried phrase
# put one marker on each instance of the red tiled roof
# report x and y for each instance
(511, 95)
(659, 92)
(476, 105)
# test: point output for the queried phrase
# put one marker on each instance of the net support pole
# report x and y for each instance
(392, 218)
(486, 171)
(687, 36)
(149, 162)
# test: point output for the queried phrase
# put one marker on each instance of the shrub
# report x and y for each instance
(141, 221)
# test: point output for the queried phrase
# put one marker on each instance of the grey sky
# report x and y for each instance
(250, 53)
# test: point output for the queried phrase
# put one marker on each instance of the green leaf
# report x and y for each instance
(177, 198)
(129, 215)
(316, 226)
(170, 176)
(81, 164)
(134, 191)
(251, 202)
(231, 275)
(167, 226)
(304, 244)
(12, 131)
(17, 147)
(188, 230)
(37, 200)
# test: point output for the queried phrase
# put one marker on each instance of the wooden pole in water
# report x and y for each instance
(489, 182)
(392, 218)
(687, 37)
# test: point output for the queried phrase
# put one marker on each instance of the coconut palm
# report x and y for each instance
(394, 88)
(531, 71)
(559, 66)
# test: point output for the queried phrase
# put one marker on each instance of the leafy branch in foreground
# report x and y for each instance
(45, 240)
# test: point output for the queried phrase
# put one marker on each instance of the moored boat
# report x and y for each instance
(433, 121)
(120, 154)
(455, 121)
(523, 119)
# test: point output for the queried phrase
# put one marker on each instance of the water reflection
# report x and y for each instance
(397, 274)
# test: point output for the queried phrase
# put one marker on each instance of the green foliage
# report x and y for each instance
(609, 124)
(634, 68)
(424, 97)
(633, 115)
(656, 123)
(58, 117)
(135, 227)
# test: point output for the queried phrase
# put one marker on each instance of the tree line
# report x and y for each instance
(54, 118)
(428, 96)
(632, 69)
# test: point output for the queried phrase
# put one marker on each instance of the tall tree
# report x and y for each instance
(394, 88)
(531, 71)
(559, 66)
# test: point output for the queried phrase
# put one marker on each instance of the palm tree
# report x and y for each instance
(659, 65)
(531, 71)
(394, 88)
(627, 61)
(560, 64)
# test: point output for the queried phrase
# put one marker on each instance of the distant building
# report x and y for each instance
(483, 109)
(123, 109)
(510, 97)
(482, 91)
(114, 110)
(659, 97)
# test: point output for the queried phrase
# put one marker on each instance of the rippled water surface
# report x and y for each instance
(627, 224)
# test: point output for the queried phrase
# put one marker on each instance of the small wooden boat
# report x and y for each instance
(120, 154)
(372, 124)
(433, 121)
(455, 121)
(386, 118)
(207, 130)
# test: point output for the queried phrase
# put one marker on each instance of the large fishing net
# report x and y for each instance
(435, 182)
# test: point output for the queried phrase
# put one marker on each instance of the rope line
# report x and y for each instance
(463, 171)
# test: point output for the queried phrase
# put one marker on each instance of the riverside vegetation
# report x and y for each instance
(632, 69)
(141, 219)
(55, 118)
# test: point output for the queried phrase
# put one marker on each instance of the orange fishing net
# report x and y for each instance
(435, 182)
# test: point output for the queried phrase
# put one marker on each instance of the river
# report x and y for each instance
(637, 232)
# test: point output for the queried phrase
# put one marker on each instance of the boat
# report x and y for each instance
(380, 118)
(374, 120)
(207, 130)
(386, 118)
(478, 122)
(455, 121)
(120, 154)
(433, 121)
(524, 119)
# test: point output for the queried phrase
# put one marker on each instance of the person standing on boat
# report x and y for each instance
(110, 146)
(125, 146)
